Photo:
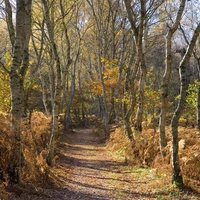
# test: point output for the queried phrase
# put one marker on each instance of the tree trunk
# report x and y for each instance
(67, 118)
(73, 85)
(119, 77)
(128, 110)
(143, 72)
(44, 93)
(39, 60)
(138, 34)
(68, 55)
(16, 76)
(176, 173)
(166, 77)
(9, 21)
(57, 93)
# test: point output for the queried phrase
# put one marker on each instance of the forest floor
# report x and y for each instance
(87, 170)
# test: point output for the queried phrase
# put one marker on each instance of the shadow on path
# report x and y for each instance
(91, 172)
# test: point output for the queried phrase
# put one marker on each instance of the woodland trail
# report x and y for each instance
(92, 173)
(87, 171)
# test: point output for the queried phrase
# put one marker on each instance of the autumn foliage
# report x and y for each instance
(35, 138)
(145, 152)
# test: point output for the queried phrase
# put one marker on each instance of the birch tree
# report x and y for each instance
(166, 77)
(18, 69)
(137, 27)
(57, 92)
(176, 173)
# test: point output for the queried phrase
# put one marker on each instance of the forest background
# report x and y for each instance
(132, 63)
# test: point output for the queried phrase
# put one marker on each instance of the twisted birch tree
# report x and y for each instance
(166, 77)
(176, 173)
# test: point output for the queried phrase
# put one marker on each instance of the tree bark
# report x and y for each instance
(20, 48)
(139, 114)
(9, 21)
(67, 118)
(176, 172)
(138, 33)
(128, 110)
(176, 176)
(57, 94)
(68, 54)
(166, 76)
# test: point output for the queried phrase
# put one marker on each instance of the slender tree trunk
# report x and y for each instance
(69, 103)
(39, 54)
(176, 172)
(176, 176)
(166, 77)
(68, 52)
(138, 34)
(9, 20)
(128, 110)
(143, 72)
(57, 94)
(119, 77)
(73, 86)
(44, 93)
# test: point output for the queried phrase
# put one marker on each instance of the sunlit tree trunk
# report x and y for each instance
(101, 52)
(9, 21)
(176, 172)
(128, 108)
(166, 76)
(17, 74)
(138, 33)
(39, 53)
(119, 77)
(139, 114)
(68, 54)
(25, 61)
(67, 118)
(57, 94)
(27, 34)
(73, 86)
(177, 177)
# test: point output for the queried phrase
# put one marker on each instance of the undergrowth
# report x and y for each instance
(35, 138)
(144, 152)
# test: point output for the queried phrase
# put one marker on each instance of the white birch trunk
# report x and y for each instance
(176, 172)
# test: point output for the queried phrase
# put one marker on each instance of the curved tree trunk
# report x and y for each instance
(166, 76)
(176, 172)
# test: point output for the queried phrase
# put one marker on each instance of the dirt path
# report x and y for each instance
(91, 171)
(87, 171)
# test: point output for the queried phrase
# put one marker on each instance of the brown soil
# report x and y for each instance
(86, 170)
